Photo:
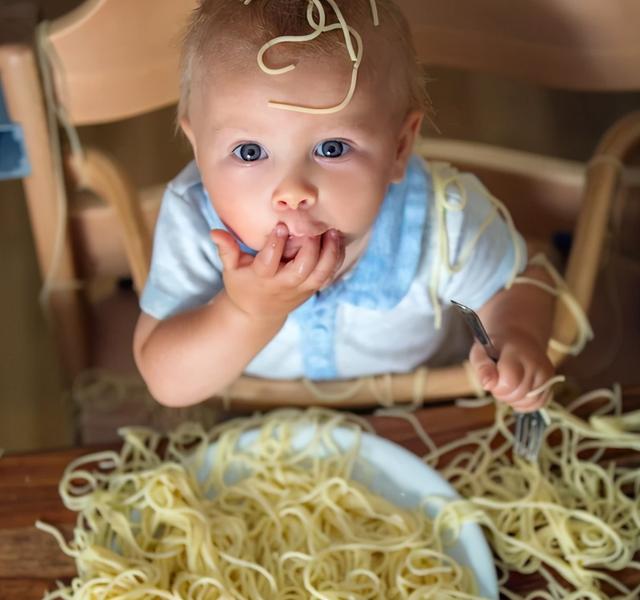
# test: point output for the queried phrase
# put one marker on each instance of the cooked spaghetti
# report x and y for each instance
(573, 517)
(267, 520)
(319, 27)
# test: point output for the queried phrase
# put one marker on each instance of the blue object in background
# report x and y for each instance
(562, 241)
(13, 156)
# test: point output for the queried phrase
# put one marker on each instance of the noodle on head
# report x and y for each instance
(319, 27)
(266, 520)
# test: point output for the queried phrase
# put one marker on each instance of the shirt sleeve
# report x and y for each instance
(487, 251)
(185, 267)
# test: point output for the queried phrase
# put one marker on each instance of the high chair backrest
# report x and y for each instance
(108, 60)
(118, 59)
(586, 45)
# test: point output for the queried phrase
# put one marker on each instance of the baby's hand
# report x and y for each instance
(266, 287)
(523, 366)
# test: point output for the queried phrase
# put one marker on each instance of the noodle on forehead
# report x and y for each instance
(319, 27)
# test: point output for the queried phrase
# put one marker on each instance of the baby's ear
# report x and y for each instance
(408, 132)
(185, 125)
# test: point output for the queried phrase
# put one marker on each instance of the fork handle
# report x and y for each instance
(477, 329)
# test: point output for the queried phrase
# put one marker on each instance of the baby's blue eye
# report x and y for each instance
(250, 152)
(332, 149)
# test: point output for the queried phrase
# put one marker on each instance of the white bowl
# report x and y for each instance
(398, 475)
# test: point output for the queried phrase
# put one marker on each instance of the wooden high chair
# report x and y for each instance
(103, 62)
(111, 60)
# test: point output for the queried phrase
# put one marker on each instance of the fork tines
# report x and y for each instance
(529, 433)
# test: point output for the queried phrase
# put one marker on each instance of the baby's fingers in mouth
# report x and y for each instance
(295, 242)
(330, 259)
(306, 258)
(268, 259)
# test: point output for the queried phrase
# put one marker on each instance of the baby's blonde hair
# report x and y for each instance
(227, 29)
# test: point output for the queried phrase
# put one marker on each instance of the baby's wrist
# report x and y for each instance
(253, 317)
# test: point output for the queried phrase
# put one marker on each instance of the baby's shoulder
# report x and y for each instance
(450, 189)
(458, 202)
(185, 205)
(185, 194)
(463, 216)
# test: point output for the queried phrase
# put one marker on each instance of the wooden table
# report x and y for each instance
(31, 561)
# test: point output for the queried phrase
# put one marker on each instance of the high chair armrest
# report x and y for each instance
(602, 178)
(419, 386)
(99, 173)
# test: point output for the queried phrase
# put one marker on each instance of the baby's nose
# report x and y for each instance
(293, 195)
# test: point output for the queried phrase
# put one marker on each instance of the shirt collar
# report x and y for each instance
(383, 275)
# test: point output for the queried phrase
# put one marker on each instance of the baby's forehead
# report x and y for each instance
(321, 81)
(233, 55)
(374, 59)
(227, 35)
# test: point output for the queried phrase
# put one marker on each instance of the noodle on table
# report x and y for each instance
(574, 514)
(291, 524)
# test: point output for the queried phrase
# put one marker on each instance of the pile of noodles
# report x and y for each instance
(572, 517)
(269, 520)
(273, 520)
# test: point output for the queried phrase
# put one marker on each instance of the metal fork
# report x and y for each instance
(530, 426)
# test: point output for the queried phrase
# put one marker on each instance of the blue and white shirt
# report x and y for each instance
(379, 317)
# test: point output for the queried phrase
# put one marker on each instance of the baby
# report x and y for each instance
(304, 238)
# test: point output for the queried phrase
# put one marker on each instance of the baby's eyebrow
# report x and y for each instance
(231, 129)
(335, 131)
(351, 130)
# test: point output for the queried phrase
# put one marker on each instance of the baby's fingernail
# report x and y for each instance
(281, 230)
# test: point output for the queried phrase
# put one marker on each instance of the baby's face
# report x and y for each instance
(263, 165)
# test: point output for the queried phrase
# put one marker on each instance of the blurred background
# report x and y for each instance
(36, 407)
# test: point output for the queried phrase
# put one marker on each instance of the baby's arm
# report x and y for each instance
(189, 357)
(519, 321)
(192, 356)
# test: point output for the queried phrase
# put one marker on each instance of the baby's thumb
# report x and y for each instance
(485, 369)
(228, 248)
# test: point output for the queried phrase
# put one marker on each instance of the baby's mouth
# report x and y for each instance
(293, 244)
